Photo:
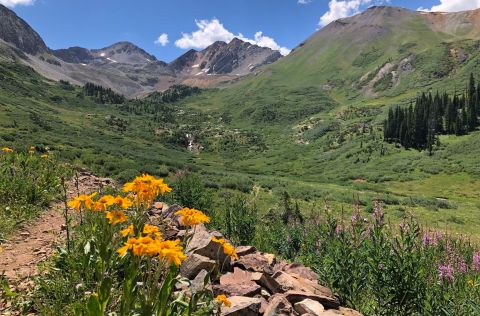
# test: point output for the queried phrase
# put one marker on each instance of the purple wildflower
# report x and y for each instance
(381, 266)
(378, 214)
(445, 272)
(476, 262)
(462, 266)
(426, 239)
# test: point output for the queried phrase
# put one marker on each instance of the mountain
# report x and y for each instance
(125, 67)
(17, 32)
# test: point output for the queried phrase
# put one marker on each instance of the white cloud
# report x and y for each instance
(162, 39)
(454, 5)
(341, 9)
(210, 31)
(304, 1)
(12, 3)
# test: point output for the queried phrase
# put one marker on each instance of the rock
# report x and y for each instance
(296, 283)
(297, 269)
(349, 312)
(266, 281)
(194, 264)
(331, 312)
(248, 289)
(202, 244)
(297, 296)
(242, 306)
(308, 306)
(238, 276)
(279, 305)
(198, 284)
(245, 250)
(24, 234)
(255, 262)
(270, 258)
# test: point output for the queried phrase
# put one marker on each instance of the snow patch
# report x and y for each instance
(102, 54)
(196, 66)
(112, 60)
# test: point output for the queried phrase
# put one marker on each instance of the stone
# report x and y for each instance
(349, 312)
(245, 250)
(297, 296)
(279, 305)
(242, 306)
(308, 306)
(296, 283)
(255, 262)
(270, 258)
(202, 244)
(298, 269)
(194, 264)
(331, 312)
(248, 289)
(238, 276)
(198, 283)
(266, 281)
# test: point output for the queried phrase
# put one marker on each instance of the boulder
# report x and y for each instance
(279, 305)
(308, 306)
(298, 269)
(248, 289)
(349, 312)
(194, 264)
(245, 250)
(296, 283)
(198, 284)
(242, 306)
(331, 312)
(297, 296)
(202, 244)
(266, 281)
(255, 262)
(238, 283)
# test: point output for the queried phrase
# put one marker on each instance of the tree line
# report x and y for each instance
(102, 95)
(418, 125)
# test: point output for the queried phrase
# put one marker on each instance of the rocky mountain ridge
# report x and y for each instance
(125, 67)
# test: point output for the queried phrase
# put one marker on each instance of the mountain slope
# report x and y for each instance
(126, 68)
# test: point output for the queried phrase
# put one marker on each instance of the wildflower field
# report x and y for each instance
(115, 261)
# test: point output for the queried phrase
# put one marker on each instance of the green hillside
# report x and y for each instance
(310, 124)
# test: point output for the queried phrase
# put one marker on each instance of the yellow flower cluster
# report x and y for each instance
(150, 243)
(222, 299)
(228, 248)
(146, 188)
(102, 204)
(192, 217)
(7, 149)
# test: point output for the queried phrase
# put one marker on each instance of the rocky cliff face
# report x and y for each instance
(17, 32)
(236, 58)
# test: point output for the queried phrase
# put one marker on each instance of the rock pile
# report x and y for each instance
(255, 284)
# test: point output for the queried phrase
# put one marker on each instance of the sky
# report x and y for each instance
(168, 28)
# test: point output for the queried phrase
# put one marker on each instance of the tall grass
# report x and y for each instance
(28, 183)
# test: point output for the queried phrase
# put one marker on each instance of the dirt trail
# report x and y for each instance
(34, 243)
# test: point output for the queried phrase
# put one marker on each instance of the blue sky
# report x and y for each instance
(279, 24)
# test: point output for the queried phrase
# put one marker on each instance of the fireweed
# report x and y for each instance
(380, 268)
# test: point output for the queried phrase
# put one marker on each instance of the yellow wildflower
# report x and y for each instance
(7, 149)
(151, 230)
(124, 203)
(127, 231)
(172, 252)
(82, 200)
(116, 217)
(146, 188)
(191, 217)
(470, 282)
(44, 156)
(103, 203)
(222, 299)
(228, 248)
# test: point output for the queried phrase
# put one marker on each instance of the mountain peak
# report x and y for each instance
(16, 31)
(124, 52)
